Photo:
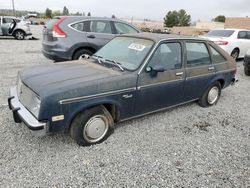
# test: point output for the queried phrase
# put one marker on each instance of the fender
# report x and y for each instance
(81, 106)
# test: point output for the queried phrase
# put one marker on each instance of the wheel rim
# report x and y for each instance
(235, 54)
(83, 56)
(213, 95)
(19, 35)
(95, 129)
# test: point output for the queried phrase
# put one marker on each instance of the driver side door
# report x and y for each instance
(161, 83)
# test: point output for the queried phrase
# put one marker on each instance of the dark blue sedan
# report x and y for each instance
(133, 75)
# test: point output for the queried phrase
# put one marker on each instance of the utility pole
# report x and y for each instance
(13, 6)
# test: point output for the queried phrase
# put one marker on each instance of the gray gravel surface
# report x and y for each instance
(188, 146)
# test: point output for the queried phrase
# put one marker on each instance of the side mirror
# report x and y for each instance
(154, 70)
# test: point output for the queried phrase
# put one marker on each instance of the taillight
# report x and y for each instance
(56, 31)
(221, 43)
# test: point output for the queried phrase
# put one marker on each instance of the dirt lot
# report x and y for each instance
(188, 146)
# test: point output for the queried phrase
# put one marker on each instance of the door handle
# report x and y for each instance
(127, 96)
(179, 74)
(211, 68)
(91, 36)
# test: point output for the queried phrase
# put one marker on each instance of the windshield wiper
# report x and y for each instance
(98, 58)
(115, 63)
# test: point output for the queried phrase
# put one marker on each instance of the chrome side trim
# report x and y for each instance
(159, 83)
(162, 109)
(66, 101)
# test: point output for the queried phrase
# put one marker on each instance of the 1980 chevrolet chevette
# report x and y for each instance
(131, 76)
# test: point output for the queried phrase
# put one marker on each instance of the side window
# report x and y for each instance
(100, 26)
(167, 55)
(197, 54)
(7, 20)
(80, 26)
(217, 56)
(248, 35)
(122, 28)
(242, 35)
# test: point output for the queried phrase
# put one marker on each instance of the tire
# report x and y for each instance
(211, 95)
(80, 53)
(235, 53)
(92, 126)
(19, 35)
(247, 71)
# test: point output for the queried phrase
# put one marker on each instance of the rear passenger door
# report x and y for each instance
(199, 69)
(100, 33)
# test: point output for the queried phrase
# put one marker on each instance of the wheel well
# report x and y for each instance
(237, 48)
(18, 30)
(111, 108)
(87, 48)
(222, 82)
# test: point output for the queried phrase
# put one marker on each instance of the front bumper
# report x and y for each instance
(21, 114)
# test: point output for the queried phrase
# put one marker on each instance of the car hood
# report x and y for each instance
(47, 78)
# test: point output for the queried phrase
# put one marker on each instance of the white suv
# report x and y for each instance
(234, 41)
(16, 27)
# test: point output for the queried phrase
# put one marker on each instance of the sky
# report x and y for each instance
(203, 10)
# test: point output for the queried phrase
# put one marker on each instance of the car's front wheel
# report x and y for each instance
(19, 35)
(247, 71)
(211, 95)
(92, 126)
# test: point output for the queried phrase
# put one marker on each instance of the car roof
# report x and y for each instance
(159, 37)
(89, 18)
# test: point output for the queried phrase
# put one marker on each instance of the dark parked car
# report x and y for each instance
(70, 38)
(247, 63)
(131, 76)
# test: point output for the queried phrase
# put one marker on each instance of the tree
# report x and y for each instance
(184, 18)
(177, 18)
(113, 16)
(56, 13)
(65, 11)
(89, 14)
(48, 13)
(220, 18)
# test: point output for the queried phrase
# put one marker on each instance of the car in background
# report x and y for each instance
(73, 37)
(131, 76)
(246, 63)
(236, 42)
(16, 27)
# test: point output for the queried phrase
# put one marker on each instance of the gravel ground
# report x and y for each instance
(188, 146)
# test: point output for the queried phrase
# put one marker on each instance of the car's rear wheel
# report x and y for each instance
(92, 126)
(247, 71)
(235, 53)
(80, 54)
(211, 95)
(19, 35)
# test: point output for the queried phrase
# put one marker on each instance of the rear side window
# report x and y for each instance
(217, 56)
(7, 20)
(243, 35)
(122, 28)
(80, 26)
(100, 26)
(197, 54)
(51, 23)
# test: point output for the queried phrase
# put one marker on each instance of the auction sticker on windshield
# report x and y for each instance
(138, 47)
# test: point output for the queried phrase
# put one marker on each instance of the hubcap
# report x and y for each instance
(213, 95)
(83, 56)
(95, 129)
(19, 35)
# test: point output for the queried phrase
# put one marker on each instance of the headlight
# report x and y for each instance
(28, 98)
(35, 105)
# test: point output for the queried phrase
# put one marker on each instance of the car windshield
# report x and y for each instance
(128, 52)
(220, 33)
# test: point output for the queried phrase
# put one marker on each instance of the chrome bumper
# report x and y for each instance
(21, 114)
